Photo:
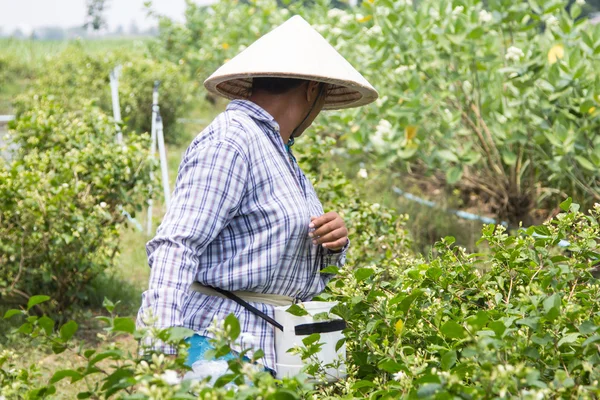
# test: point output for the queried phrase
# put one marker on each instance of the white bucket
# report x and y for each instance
(288, 364)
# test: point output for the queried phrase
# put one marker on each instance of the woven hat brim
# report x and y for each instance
(340, 94)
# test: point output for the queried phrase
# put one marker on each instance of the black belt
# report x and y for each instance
(300, 330)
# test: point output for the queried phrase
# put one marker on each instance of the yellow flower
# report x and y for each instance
(410, 132)
(591, 110)
(371, 1)
(399, 327)
(555, 53)
(365, 19)
(225, 46)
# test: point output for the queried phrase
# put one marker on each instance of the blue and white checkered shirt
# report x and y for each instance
(238, 220)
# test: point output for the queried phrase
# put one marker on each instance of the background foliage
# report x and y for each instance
(494, 102)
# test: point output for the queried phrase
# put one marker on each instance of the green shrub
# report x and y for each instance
(78, 77)
(131, 375)
(499, 99)
(519, 322)
(61, 200)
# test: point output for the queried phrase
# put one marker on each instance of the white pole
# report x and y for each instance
(114, 88)
(155, 109)
(163, 160)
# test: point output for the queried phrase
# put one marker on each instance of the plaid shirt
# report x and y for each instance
(238, 220)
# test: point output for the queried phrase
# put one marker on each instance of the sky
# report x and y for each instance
(30, 14)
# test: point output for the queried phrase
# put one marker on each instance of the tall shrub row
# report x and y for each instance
(77, 77)
(62, 198)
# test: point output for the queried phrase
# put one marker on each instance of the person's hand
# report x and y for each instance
(329, 231)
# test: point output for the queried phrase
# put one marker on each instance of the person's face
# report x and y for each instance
(311, 93)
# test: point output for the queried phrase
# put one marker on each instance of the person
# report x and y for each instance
(243, 218)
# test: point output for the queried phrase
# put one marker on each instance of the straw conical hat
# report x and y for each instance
(293, 50)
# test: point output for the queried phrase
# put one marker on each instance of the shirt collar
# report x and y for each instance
(254, 111)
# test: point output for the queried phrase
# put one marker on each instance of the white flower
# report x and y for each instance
(401, 3)
(400, 375)
(384, 126)
(403, 68)
(467, 86)
(248, 338)
(336, 31)
(65, 185)
(514, 53)
(345, 19)
(580, 2)
(458, 10)
(362, 173)
(103, 205)
(335, 13)
(485, 16)
(433, 13)
(171, 377)
(552, 21)
(381, 100)
(374, 31)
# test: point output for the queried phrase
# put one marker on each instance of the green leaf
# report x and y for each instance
(590, 340)
(310, 339)
(66, 373)
(282, 394)
(257, 355)
(108, 305)
(428, 390)
(565, 205)
(448, 360)
(585, 163)
(363, 273)
(46, 324)
(453, 330)
(68, 330)
(588, 327)
(509, 157)
(568, 338)
(232, 327)
(330, 270)
(123, 324)
(296, 310)
(35, 300)
(447, 155)
(453, 175)
(11, 313)
(552, 306)
(363, 384)
(178, 333)
(390, 365)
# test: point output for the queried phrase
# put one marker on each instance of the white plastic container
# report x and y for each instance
(291, 364)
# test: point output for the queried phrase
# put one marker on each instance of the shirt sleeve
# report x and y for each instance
(210, 186)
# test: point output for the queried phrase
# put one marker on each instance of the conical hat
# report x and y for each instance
(293, 50)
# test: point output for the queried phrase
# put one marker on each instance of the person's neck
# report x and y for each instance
(278, 107)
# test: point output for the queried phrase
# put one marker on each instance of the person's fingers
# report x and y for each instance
(328, 227)
(323, 219)
(332, 236)
(337, 245)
